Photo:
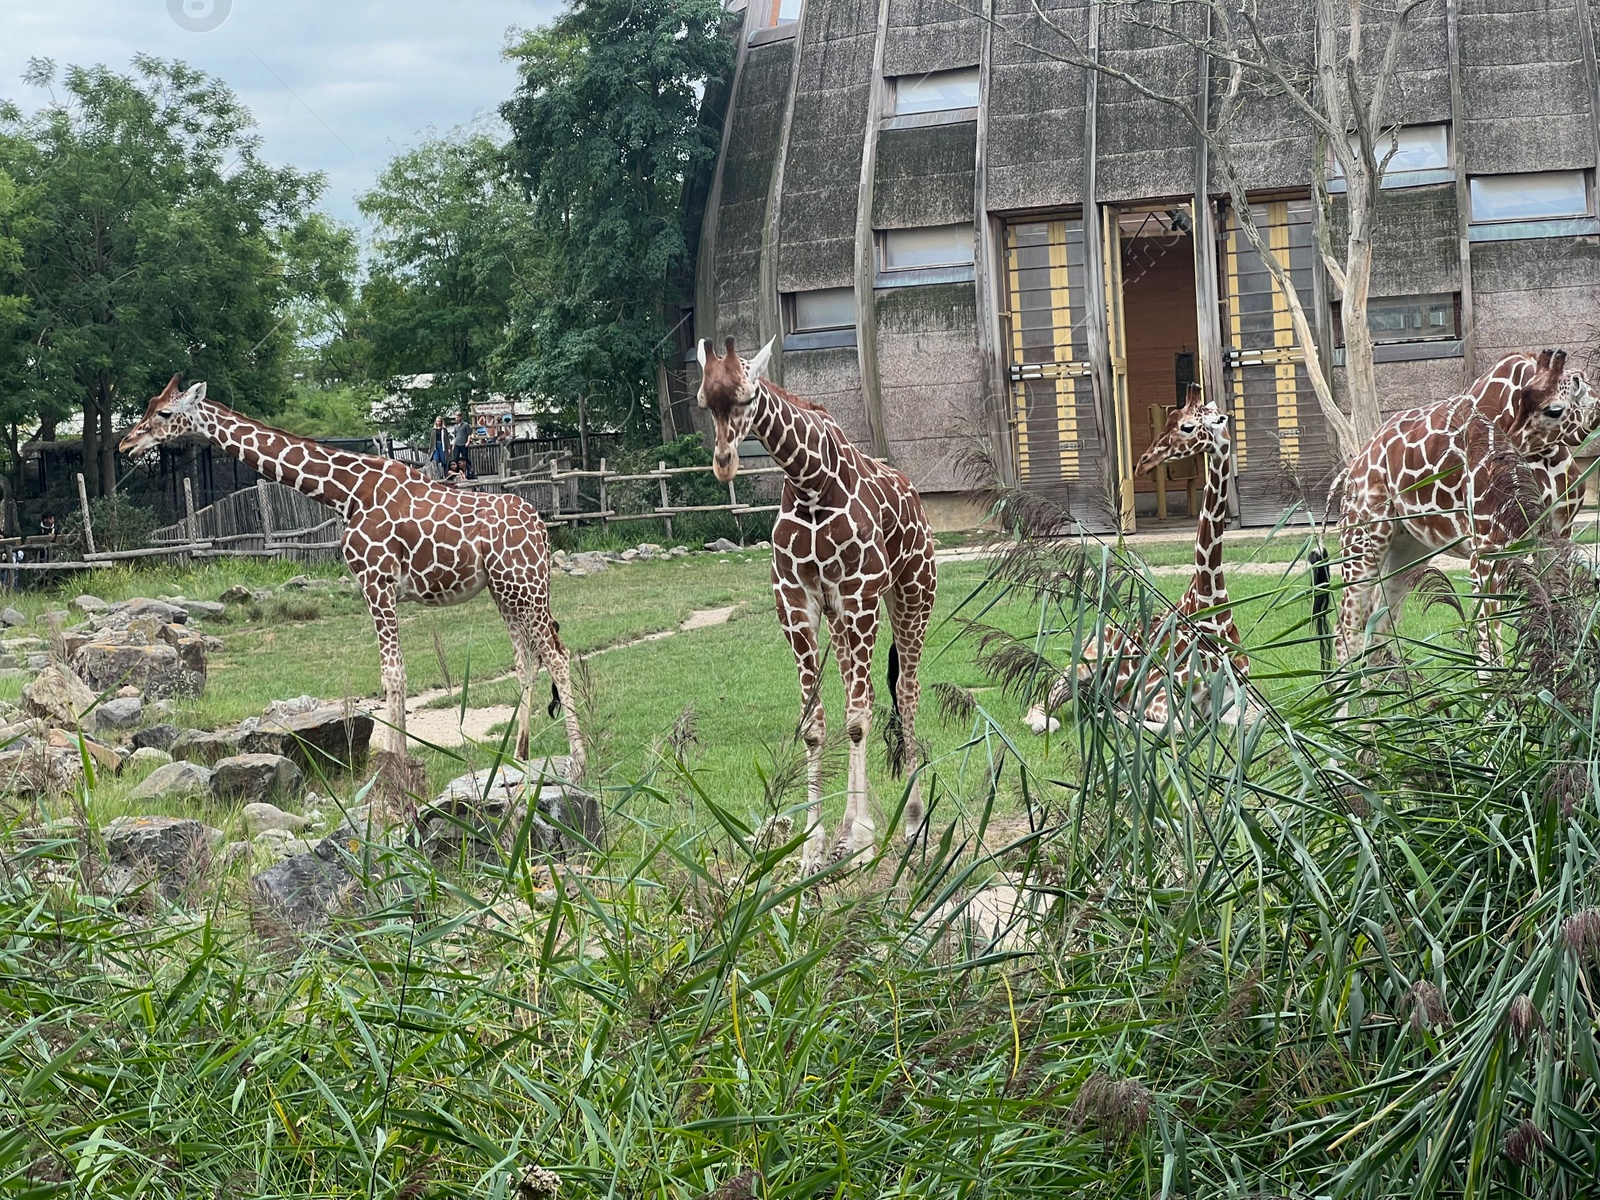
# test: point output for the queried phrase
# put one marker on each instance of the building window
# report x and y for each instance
(936, 246)
(1536, 196)
(823, 309)
(785, 12)
(1396, 319)
(937, 91)
(1417, 154)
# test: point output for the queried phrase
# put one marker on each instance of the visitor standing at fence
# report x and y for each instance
(437, 455)
(463, 432)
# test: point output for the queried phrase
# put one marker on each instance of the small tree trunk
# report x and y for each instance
(108, 444)
(91, 439)
(1366, 412)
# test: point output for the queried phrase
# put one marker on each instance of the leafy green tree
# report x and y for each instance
(605, 131)
(451, 249)
(151, 242)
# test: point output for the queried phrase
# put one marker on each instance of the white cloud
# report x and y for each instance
(335, 87)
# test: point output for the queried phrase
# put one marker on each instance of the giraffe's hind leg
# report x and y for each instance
(910, 609)
(800, 620)
(855, 632)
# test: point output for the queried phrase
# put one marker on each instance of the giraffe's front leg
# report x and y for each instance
(380, 595)
(855, 632)
(910, 609)
(798, 617)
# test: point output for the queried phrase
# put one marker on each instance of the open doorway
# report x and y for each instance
(1161, 337)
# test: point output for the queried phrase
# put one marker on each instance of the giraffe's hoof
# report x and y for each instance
(1041, 724)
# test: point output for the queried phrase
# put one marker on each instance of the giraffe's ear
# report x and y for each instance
(197, 392)
(757, 366)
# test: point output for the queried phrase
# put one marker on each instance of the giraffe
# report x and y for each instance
(406, 538)
(851, 533)
(1444, 475)
(1200, 633)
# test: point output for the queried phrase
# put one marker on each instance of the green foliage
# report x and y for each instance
(119, 524)
(330, 411)
(149, 230)
(606, 130)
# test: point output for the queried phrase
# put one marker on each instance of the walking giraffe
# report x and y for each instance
(1199, 637)
(1442, 476)
(851, 533)
(406, 538)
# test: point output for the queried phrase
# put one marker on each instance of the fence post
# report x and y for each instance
(83, 507)
(188, 516)
(661, 466)
(555, 493)
(266, 514)
(604, 520)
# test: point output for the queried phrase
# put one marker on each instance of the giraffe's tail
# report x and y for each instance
(554, 707)
(1322, 605)
(895, 733)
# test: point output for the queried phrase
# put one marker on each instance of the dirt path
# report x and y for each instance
(450, 727)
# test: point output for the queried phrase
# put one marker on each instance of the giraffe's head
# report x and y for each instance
(1553, 403)
(171, 414)
(727, 388)
(1199, 427)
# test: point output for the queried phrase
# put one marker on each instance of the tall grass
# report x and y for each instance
(1314, 955)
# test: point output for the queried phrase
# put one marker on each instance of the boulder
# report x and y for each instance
(208, 609)
(481, 816)
(260, 818)
(174, 780)
(237, 594)
(254, 777)
(679, 552)
(590, 562)
(161, 610)
(145, 758)
(171, 852)
(159, 736)
(103, 756)
(328, 737)
(11, 618)
(298, 583)
(281, 843)
(36, 769)
(157, 670)
(301, 891)
(122, 713)
(191, 647)
(201, 746)
(90, 604)
(55, 618)
(58, 696)
(723, 546)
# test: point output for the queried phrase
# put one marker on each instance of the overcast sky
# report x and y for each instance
(335, 85)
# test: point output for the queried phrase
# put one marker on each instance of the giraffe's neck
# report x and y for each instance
(798, 439)
(1213, 521)
(326, 475)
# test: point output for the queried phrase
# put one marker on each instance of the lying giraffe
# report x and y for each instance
(406, 538)
(1450, 474)
(851, 533)
(1199, 639)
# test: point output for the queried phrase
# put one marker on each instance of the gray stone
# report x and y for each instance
(281, 843)
(57, 618)
(201, 746)
(208, 609)
(261, 817)
(254, 777)
(142, 606)
(58, 696)
(679, 552)
(171, 852)
(38, 662)
(328, 737)
(297, 584)
(175, 665)
(145, 758)
(122, 713)
(237, 594)
(32, 768)
(173, 780)
(11, 618)
(22, 645)
(481, 817)
(301, 891)
(590, 561)
(159, 736)
(90, 604)
(723, 546)
(577, 572)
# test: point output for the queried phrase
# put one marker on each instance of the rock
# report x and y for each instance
(235, 852)
(323, 738)
(38, 662)
(577, 573)
(208, 609)
(90, 604)
(173, 780)
(163, 710)
(763, 545)
(301, 891)
(37, 769)
(650, 550)
(297, 584)
(145, 759)
(281, 844)
(254, 777)
(160, 669)
(142, 606)
(22, 645)
(213, 645)
(11, 618)
(481, 817)
(590, 561)
(261, 817)
(159, 736)
(122, 713)
(723, 546)
(172, 852)
(293, 707)
(103, 756)
(58, 695)
(629, 555)
(129, 693)
(679, 552)
(237, 594)
(55, 618)
(200, 746)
